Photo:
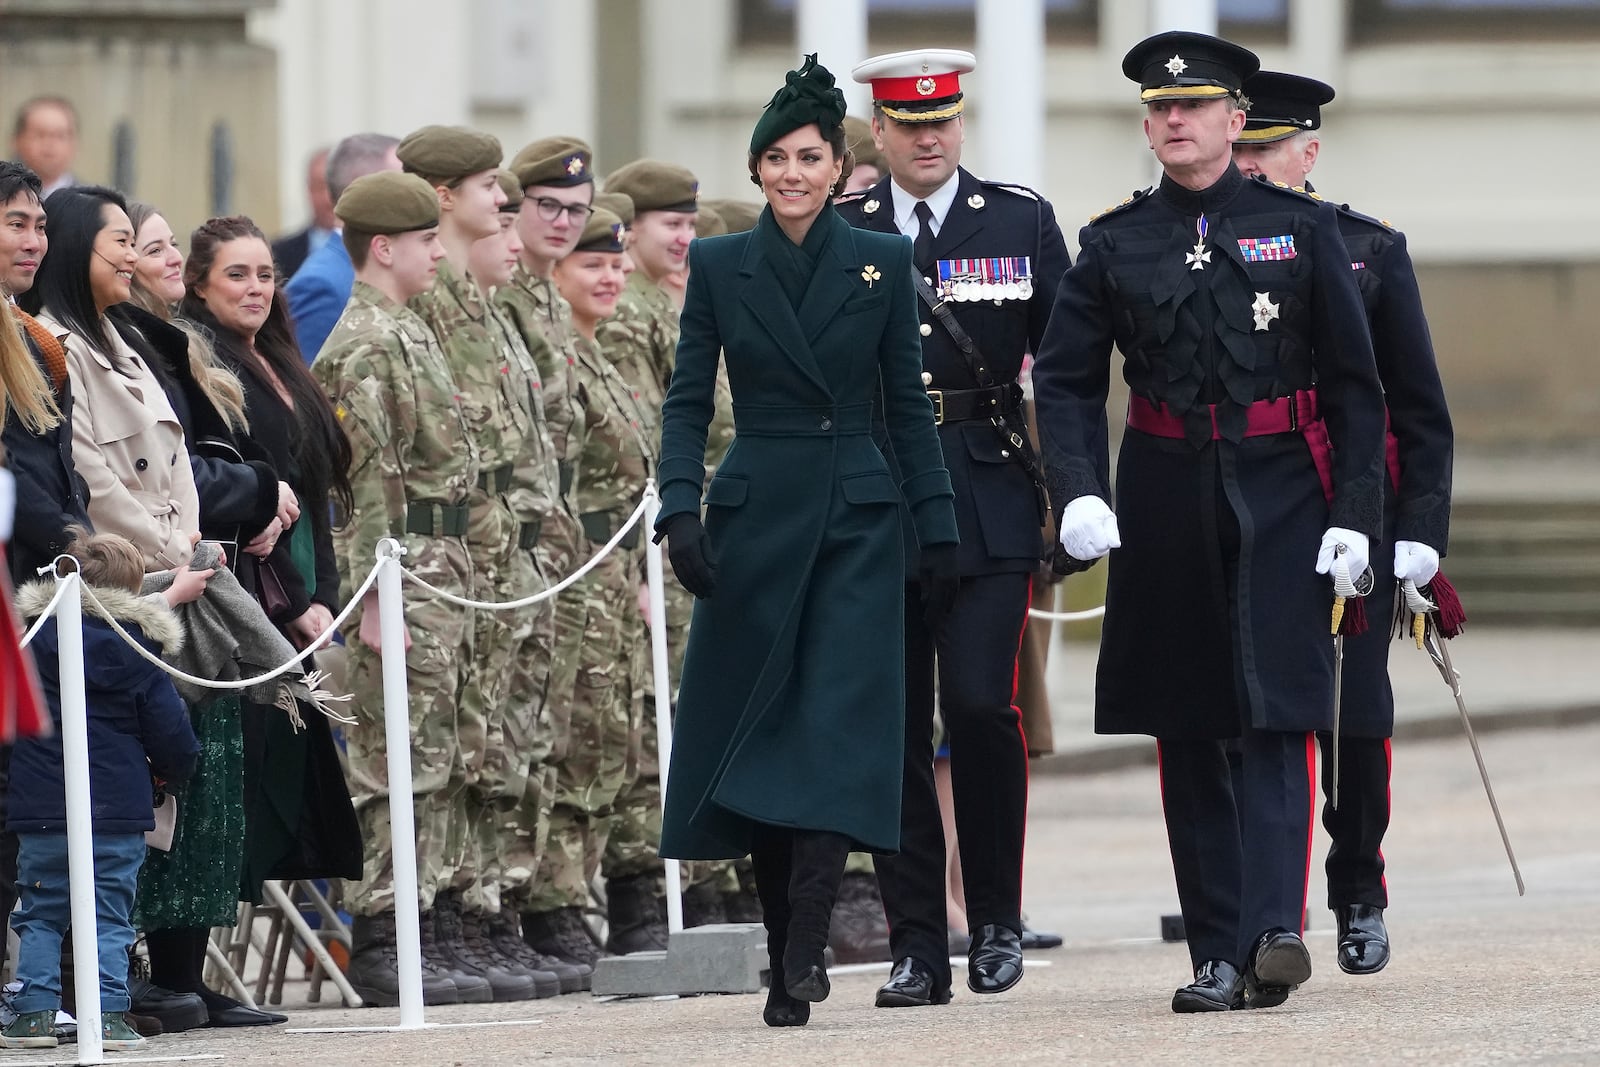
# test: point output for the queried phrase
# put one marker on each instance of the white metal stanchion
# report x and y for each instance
(80, 823)
(663, 684)
(402, 816)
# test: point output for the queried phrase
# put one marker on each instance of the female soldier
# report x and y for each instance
(790, 714)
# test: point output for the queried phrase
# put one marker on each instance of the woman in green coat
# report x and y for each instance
(789, 718)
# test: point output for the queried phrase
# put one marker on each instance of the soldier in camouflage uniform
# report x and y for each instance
(516, 489)
(641, 340)
(556, 189)
(413, 462)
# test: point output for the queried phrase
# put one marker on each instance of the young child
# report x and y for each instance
(138, 725)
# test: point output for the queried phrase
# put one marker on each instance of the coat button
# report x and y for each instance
(827, 424)
(927, 280)
(141, 464)
(927, 378)
(926, 330)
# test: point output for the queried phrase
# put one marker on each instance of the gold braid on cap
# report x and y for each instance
(938, 115)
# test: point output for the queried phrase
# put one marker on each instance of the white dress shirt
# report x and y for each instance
(939, 201)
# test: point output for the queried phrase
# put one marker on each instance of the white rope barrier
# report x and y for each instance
(1068, 616)
(49, 610)
(561, 586)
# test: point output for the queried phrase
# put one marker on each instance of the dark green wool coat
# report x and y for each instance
(791, 707)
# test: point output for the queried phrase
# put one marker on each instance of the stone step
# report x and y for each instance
(1519, 562)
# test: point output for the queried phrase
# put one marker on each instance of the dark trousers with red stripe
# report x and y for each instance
(975, 655)
(1240, 837)
(1357, 826)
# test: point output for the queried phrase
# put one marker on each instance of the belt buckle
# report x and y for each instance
(937, 396)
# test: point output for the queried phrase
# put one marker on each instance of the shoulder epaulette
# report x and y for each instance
(1011, 187)
(850, 198)
(1384, 224)
(1138, 194)
(1298, 191)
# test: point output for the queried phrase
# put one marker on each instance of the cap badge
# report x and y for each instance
(1264, 309)
(1176, 66)
(619, 232)
(924, 66)
(694, 187)
(975, 202)
(870, 274)
(869, 208)
(574, 165)
(925, 86)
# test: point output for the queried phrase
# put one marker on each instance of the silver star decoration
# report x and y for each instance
(1176, 66)
(1198, 259)
(1265, 310)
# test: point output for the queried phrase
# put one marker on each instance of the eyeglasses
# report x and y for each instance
(550, 209)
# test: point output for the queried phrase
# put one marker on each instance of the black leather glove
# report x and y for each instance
(1064, 563)
(689, 549)
(940, 583)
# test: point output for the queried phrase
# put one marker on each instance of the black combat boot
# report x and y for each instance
(374, 968)
(636, 915)
(702, 906)
(503, 984)
(562, 935)
(505, 930)
(476, 930)
(471, 987)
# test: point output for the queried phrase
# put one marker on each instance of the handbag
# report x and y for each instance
(270, 594)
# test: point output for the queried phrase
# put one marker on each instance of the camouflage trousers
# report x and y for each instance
(442, 691)
(525, 829)
(634, 842)
(598, 761)
(511, 663)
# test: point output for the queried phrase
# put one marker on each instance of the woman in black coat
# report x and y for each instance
(790, 730)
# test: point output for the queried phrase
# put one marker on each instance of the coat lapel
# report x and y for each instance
(836, 277)
(764, 298)
(880, 218)
(962, 221)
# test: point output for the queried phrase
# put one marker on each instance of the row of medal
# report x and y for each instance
(969, 280)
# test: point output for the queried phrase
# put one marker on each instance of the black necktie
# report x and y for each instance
(922, 246)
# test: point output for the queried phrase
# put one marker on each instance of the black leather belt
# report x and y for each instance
(964, 405)
(425, 519)
(528, 536)
(495, 480)
(598, 526)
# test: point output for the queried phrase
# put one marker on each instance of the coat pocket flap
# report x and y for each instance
(985, 446)
(727, 491)
(874, 487)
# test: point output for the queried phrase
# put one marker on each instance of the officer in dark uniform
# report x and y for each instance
(988, 257)
(1280, 143)
(1247, 355)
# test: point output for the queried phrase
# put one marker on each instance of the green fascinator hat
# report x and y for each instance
(807, 96)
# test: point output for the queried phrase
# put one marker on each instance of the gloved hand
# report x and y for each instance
(940, 583)
(1357, 554)
(689, 550)
(1415, 562)
(1089, 529)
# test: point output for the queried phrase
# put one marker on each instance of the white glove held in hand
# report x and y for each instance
(1415, 562)
(1088, 528)
(1357, 553)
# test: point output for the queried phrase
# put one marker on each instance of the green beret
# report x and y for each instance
(604, 232)
(446, 153)
(513, 190)
(559, 161)
(656, 186)
(739, 215)
(388, 202)
(708, 223)
(858, 139)
(619, 204)
(808, 95)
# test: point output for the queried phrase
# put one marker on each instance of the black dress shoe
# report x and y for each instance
(227, 1012)
(994, 963)
(912, 985)
(1217, 986)
(1033, 940)
(1363, 938)
(1278, 963)
(176, 1012)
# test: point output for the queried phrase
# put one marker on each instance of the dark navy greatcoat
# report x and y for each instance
(791, 709)
(996, 505)
(1422, 443)
(1190, 646)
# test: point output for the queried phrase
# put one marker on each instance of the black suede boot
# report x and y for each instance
(772, 862)
(818, 858)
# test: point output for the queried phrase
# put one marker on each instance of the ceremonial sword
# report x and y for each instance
(1437, 650)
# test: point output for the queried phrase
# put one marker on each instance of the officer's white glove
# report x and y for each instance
(1415, 562)
(1357, 552)
(1089, 529)
(8, 504)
